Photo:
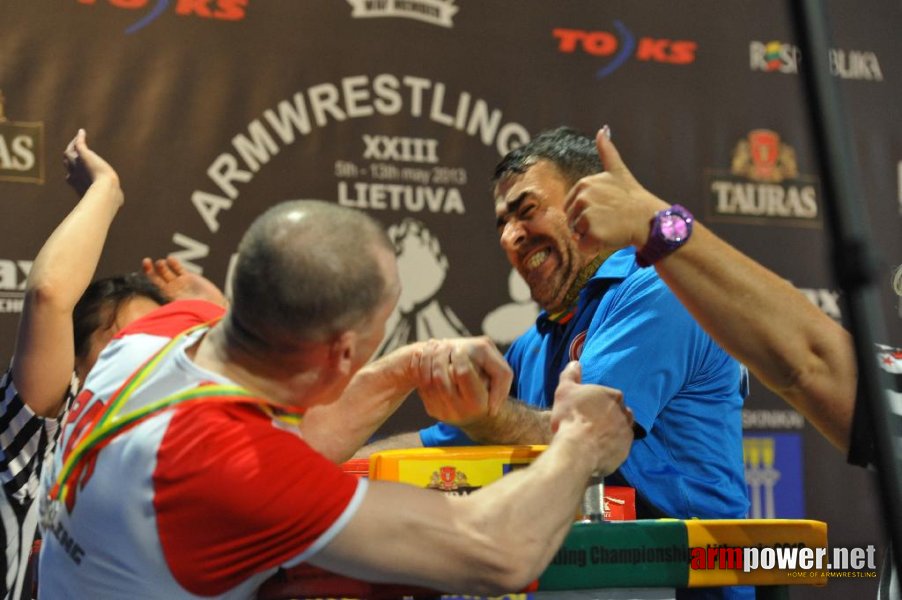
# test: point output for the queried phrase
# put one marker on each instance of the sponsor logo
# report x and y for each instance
(21, 149)
(577, 345)
(434, 12)
(779, 57)
(221, 10)
(773, 474)
(771, 419)
(622, 45)
(451, 481)
(764, 185)
(13, 274)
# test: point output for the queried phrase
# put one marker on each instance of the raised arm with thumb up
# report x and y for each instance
(610, 210)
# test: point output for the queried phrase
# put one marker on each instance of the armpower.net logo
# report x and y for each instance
(800, 561)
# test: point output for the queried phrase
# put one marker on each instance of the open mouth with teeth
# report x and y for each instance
(537, 258)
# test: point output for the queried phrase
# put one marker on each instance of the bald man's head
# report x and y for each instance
(308, 270)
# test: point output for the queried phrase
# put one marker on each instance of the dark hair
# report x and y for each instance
(108, 293)
(306, 270)
(573, 153)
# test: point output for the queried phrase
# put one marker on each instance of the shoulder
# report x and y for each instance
(173, 318)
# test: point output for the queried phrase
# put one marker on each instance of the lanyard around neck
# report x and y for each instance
(112, 423)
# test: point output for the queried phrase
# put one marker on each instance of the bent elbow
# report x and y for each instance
(43, 293)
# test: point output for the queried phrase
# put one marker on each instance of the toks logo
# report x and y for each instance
(764, 185)
(21, 149)
(224, 10)
(623, 46)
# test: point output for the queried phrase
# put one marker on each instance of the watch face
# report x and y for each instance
(673, 227)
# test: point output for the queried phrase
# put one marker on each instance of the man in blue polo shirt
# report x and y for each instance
(627, 330)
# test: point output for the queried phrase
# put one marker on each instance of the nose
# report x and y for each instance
(513, 234)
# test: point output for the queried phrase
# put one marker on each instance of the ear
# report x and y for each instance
(342, 351)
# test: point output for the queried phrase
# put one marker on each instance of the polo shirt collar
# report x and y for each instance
(617, 266)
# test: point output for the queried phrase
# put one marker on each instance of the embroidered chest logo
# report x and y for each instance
(577, 345)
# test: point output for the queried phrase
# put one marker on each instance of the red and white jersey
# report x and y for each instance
(204, 500)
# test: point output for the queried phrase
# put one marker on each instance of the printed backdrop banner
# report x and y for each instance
(214, 110)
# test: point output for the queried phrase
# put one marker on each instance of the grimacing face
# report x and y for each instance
(534, 233)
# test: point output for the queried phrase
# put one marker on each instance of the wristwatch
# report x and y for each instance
(670, 229)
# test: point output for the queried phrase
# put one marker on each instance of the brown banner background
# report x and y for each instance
(212, 110)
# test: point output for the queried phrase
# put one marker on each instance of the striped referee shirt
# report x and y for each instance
(862, 448)
(26, 441)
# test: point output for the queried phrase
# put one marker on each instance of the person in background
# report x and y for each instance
(66, 321)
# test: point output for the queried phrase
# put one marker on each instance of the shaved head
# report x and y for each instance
(307, 270)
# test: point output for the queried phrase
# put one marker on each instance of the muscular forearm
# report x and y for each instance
(517, 512)
(787, 342)
(515, 423)
(339, 429)
(494, 541)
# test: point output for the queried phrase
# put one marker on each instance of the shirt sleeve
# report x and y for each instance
(235, 495)
(645, 344)
(26, 441)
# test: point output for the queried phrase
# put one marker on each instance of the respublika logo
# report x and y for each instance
(21, 149)
(779, 57)
(434, 12)
(623, 45)
(763, 185)
(223, 10)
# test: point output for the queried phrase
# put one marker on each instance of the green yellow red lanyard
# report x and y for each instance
(111, 423)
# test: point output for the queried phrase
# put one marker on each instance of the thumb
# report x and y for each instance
(607, 152)
(573, 373)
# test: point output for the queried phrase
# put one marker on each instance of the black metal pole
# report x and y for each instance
(854, 258)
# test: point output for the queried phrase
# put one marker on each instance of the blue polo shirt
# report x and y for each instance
(631, 333)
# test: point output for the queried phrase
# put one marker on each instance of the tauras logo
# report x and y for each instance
(775, 56)
(434, 12)
(355, 97)
(764, 184)
(21, 149)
